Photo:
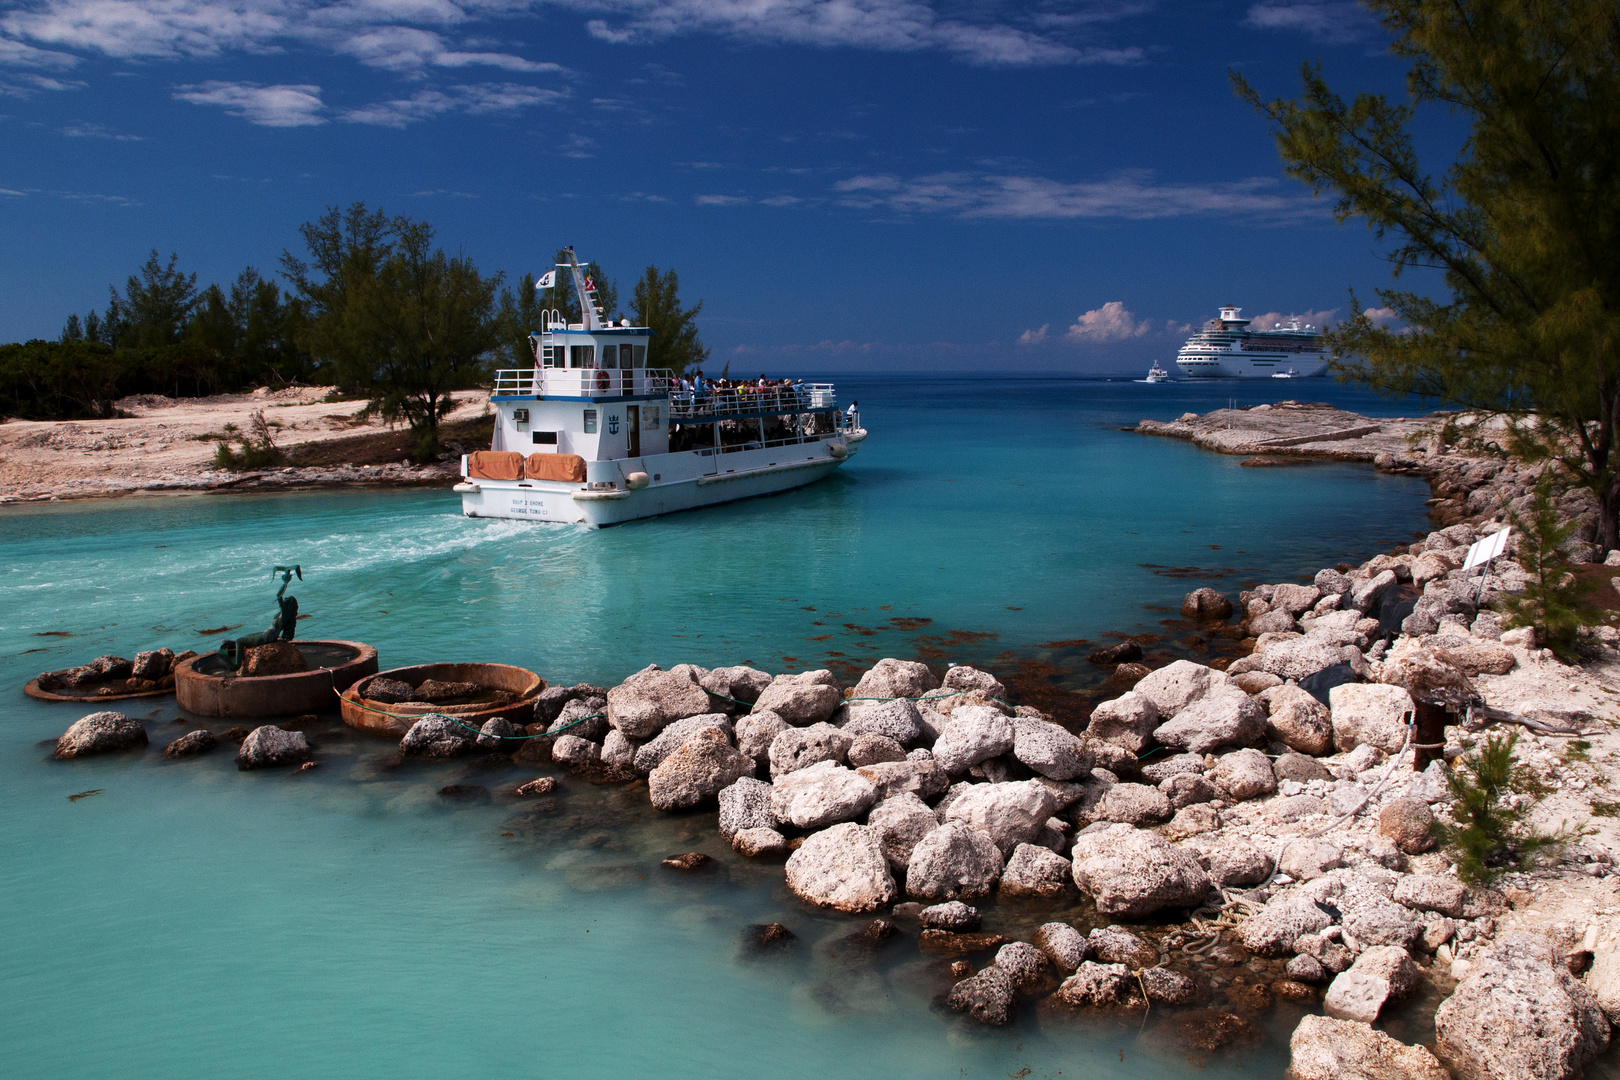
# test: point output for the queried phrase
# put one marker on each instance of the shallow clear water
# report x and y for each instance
(193, 920)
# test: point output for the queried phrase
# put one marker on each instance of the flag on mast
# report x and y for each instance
(549, 281)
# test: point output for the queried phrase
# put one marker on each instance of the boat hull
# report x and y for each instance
(1251, 367)
(681, 481)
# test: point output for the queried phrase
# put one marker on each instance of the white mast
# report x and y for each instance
(587, 297)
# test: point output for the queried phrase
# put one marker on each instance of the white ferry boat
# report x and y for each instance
(1226, 348)
(592, 435)
(1157, 374)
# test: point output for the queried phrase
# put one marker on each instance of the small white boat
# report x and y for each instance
(1289, 374)
(1157, 374)
(591, 434)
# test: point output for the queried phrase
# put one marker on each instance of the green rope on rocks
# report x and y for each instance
(468, 727)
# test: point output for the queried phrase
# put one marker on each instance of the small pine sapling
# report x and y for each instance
(1492, 796)
(1551, 593)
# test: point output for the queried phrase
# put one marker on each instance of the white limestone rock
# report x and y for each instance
(806, 698)
(1323, 1048)
(1226, 717)
(798, 748)
(1035, 871)
(699, 769)
(900, 824)
(821, 795)
(891, 678)
(1066, 947)
(745, 804)
(1126, 721)
(1380, 974)
(1180, 684)
(974, 733)
(1369, 713)
(1131, 873)
(1244, 774)
(842, 868)
(1009, 814)
(99, 733)
(666, 742)
(1049, 750)
(1297, 719)
(648, 701)
(953, 862)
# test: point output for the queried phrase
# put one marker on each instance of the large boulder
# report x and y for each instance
(99, 733)
(1295, 599)
(1323, 1048)
(806, 698)
(900, 824)
(152, 665)
(269, 746)
(1296, 658)
(842, 868)
(1225, 717)
(1049, 750)
(964, 679)
(437, 737)
(898, 719)
(1094, 984)
(1009, 814)
(890, 678)
(1126, 721)
(1366, 594)
(953, 862)
(745, 804)
(741, 685)
(922, 777)
(1519, 1015)
(1244, 774)
(1371, 714)
(756, 732)
(652, 698)
(699, 769)
(1035, 871)
(821, 795)
(1133, 804)
(1297, 720)
(798, 748)
(974, 733)
(1271, 930)
(652, 754)
(1131, 873)
(874, 749)
(1173, 688)
(1432, 892)
(1380, 975)
(1408, 823)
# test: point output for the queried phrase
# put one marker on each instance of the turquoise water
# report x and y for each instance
(191, 920)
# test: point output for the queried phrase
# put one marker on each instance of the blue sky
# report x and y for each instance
(845, 183)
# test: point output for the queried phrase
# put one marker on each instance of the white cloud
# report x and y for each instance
(1111, 322)
(16, 54)
(28, 84)
(719, 200)
(1382, 316)
(878, 25)
(268, 106)
(96, 131)
(1132, 195)
(475, 100)
(1335, 22)
(1173, 327)
(1034, 337)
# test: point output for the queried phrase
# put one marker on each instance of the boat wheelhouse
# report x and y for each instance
(1227, 348)
(591, 434)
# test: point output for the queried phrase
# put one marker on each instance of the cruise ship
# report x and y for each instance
(591, 435)
(1228, 348)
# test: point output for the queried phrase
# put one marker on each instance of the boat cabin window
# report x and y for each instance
(545, 438)
(582, 356)
(590, 421)
(640, 355)
(626, 356)
(649, 418)
(610, 356)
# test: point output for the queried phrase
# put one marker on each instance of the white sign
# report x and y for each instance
(1486, 549)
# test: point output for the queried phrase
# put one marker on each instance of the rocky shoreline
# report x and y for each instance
(1212, 841)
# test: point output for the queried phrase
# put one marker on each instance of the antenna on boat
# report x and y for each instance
(588, 310)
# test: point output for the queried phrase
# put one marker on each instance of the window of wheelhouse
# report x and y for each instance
(627, 356)
(582, 356)
(610, 356)
(639, 356)
(590, 421)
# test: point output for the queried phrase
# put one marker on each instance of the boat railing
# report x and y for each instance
(686, 403)
(583, 382)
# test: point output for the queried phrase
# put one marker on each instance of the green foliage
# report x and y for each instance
(258, 447)
(51, 380)
(396, 318)
(1551, 598)
(657, 305)
(1491, 801)
(1522, 226)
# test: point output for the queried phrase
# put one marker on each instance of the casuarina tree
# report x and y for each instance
(1522, 226)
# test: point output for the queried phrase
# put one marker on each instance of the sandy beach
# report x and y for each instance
(160, 444)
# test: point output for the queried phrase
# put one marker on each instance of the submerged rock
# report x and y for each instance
(191, 743)
(952, 915)
(544, 785)
(989, 997)
(99, 733)
(270, 746)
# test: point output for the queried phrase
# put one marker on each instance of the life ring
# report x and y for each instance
(602, 382)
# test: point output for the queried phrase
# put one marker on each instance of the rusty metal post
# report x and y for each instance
(1428, 732)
